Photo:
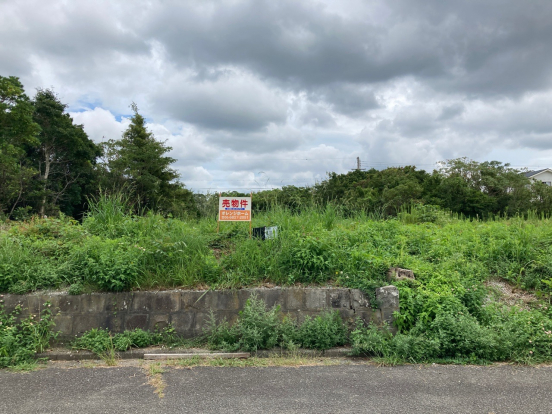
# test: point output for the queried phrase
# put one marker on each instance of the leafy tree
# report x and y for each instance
(137, 163)
(64, 159)
(490, 187)
(386, 190)
(541, 197)
(18, 132)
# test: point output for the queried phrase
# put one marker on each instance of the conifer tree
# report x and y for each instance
(139, 162)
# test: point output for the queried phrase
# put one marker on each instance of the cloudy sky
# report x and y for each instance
(253, 93)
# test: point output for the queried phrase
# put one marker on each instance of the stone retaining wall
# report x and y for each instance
(188, 310)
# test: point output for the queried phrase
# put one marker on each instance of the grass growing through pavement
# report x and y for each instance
(154, 373)
(273, 361)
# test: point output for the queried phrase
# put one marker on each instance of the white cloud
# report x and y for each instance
(240, 89)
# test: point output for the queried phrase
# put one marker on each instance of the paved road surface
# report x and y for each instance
(318, 389)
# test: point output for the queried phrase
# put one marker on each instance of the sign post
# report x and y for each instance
(234, 209)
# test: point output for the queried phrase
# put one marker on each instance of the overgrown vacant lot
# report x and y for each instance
(447, 312)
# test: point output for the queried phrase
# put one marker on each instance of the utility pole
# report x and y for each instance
(358, 166)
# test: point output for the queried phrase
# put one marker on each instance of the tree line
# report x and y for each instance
(462, 186)
(49, 165)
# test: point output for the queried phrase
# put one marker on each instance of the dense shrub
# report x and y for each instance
(448, 303)
(20, 341)
(322, 332)
(260, 328)
(100, 341)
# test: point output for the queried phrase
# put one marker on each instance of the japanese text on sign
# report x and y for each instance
(235, 209)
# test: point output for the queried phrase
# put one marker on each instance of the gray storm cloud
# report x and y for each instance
(235, 85)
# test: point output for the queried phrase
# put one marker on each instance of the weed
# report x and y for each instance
(105, 345)
(154, 372)
(20, 341)
(260, 328)
(272, 361)
(325, 331)
(445, 313)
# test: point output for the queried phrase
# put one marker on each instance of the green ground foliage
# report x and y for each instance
(119, 219)
(447, 313)
(101, 341)
(260, 328)
(21, 339)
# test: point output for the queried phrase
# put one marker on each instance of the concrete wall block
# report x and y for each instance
(272, 297)
(115, 322)
(196, 299)
(316, 299)
(92, 303)
(136, 321)
(64, 324)
(229, 316)
(295, 299)
(85, 322)
(11, 301)
(142, 302)
(244, 295)
(158, 321)
(339, 298)
(388, 297)
(387, 314)
(183, 322)
(226, 300)
(165, 301)
(369, 317)
(200, 321)
(116, 302)
(348, 316)
(188, 311)
(69, 304)
(34, 304)
(359, 301)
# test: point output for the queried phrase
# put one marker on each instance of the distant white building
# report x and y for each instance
(544, 175)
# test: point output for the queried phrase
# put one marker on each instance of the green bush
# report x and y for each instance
(447, 310)
(260, 328)
(112, 265)
(101, 341)
(322, 332)
(256, 328)
(95, 340)
(20, 341)
(370, 340)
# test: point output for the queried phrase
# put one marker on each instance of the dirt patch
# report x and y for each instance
(504, 292)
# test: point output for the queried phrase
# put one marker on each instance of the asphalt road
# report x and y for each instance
(317, 389)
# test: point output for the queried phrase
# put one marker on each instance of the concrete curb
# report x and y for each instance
(200, 355)
(152, 353)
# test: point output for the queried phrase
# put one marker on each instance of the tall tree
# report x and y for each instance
(485, 188)
(64, 158)
(138, 161)
(18, 132)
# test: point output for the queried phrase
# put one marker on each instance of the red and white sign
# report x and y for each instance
(234, 208)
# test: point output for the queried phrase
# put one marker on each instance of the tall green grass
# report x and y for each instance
(452, 258)
(116, 250)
